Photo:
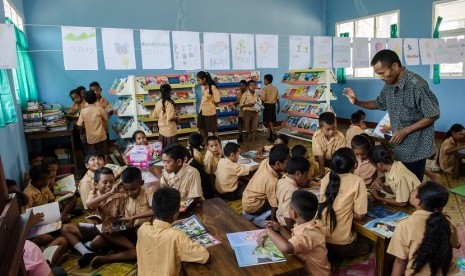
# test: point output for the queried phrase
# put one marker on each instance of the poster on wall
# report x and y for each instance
(8, 58)
(411, 51)
(461, 50)
(440, 51)
(395, 44)
(243, 51)
(322, 52)
(216, 51)
(341, 52)
(452, 46)
(299, 52)
(360, 53)
(155, 47)
(118, 49)
(376, 45)
(427, 51)
(266, 47)
(186, 50)
(79, 48)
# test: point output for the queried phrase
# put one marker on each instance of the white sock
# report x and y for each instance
(82, 249)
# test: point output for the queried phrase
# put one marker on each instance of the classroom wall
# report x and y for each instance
(13, 146)
(416, 22)
(284, 18)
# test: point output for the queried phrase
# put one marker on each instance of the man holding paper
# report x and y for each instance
(412, 106)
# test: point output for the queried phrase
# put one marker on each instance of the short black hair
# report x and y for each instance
(39, 172)
(268, 78)
(195, 140)
(33, 155)
(94, 83)
(74, 91)
(165, 203)
(299, 150)
(327, 117)
(361, 112)
(49, 160)
(100, 171)
(131, 174)
(381, 154)
(212, 138)
(305, 204)
(243, 82)
(80, 88)
(362, 141)
(283, 137)
(250, 81)
(278, 153)
(297, 164)
(91, 154)
(387, 58)
(356, 118)
(134, 135)
(91, 97)
(230, 148)
(175, 151)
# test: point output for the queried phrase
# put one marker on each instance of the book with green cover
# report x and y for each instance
(460, 190)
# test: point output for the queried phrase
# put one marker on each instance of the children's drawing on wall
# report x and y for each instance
(322, 52)
(79, 48)
(427, 51)
(186, 50)
(118, 49)
(411, 51)
(360, 53)
(440, 51)
(243, 51)
(155, 49)
(299, 52)
(267, 51)
(376, 45)
(216, 53)
(395, 44)
(341, 52)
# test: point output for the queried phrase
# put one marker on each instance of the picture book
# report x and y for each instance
(185, 204)
(249, 251)
(51, 220)
(286, 106)
(182, 95)
(385, 226)
(378, 211)
(197, 232)
(110, 225)
(385, 121)
(139, 156)
(156, 149)
(66, 184)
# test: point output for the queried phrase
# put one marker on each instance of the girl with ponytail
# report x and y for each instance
(207, 120)
(455, 141)
(343, 197)
(422, 243)
(167, 119)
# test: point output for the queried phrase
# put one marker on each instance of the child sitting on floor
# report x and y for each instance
(361, 144)
(260, 194)
(355, 128)
(207, 188)
(51, 163)
(160, 248)
(306, 242)
(455, 141)
(294, 179)
(280, 139)
(326, 140)
(194, 144)
(422, 243)
(35, 158)
(300, 150)
(398, 182)
(227, 181)
(93, 162)
(213, 154)
(343, 198)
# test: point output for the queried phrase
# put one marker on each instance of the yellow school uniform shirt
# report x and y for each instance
(447, 161)
(239, 97)
(186, 181)
(198, 156)
(401, 181)
(261, 187)
(166, 126)
(351, 132)
(227, 175)
(86, 186)
(103, 103)
(284, 189)
(95, 121)
(248, 98)
(270, 94)
(365, 170)
(210, 161)
(138, 205)
(352, 198)
(76, 108)
(208, 102)
(408, 236)
(36, 197)
(310, 248)
(324, 147)
(112, 207)
(161, 250)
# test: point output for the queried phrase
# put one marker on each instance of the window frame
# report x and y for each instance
(20, 25)
(374, 16)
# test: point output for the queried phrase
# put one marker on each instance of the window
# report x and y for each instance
(13, 15)
(452, 27)
(378, 26)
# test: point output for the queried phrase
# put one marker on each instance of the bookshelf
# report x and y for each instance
(227, 110)
(308, 95)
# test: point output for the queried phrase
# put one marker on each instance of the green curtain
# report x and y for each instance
(24, 77)
(436, 71)
(7, 104)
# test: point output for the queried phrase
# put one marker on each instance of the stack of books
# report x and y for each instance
(33, 117)
(54, 117)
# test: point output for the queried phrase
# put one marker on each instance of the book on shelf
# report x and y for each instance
(151, 127)
(231, 92)
(385, 226)
(118, 84)
(182, 95)
(50, 222)
(122, 125)
(234, 77)
(305, 76)
(249, 251)
(184, 109)
(227, 107)
(192, 124)
(197, 231)
(286, 106)
(122, 103)
(152, 97)
(191, 95)
(156, 80)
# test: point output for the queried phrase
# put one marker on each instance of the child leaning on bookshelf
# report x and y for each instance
(160, 248)
(167, 119)
(306, 241)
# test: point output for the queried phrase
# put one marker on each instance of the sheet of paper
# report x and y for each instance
(267, 51)
(79, 48)
(155, 47)
(411, 51)
(395, 44)
(440, 51)
(8, 59)
(186, 50)
(341, 52)
(67, 184)
(322, 52)
(51, 212)
(243, 51)
(299, 52)
(360, 57)
(216, 51)
(118, 49)
(376, 45)
(427, 51)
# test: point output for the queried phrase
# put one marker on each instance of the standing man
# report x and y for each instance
(270, 97)
(412, 107)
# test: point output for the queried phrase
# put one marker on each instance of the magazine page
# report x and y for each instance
(191, 226)
(206, 240)
(385, 226)
(377, 211)
(110, 225)
(385, 121)
(249, 252)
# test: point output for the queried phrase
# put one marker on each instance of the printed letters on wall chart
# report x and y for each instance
(155, 49)
(186, 50)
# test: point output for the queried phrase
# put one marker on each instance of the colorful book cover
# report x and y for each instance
(182, 95)
(385, 226)
(249, 252)
(197, 232)
(377, 211)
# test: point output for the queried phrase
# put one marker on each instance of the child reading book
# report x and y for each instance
(343, 197)
(207, 189)
(93, 161)
(160, 248)
(355, 128)
(294, 179)
(278, 139)
(301, 150)
(455, 141)
(213, 154)
(227, 181)
(194, 144)
(422, 243)
(34, 158)
(326, 141)
(398, 181)
(52, 165)
(306, 242)
(165, 112)
(361, 144)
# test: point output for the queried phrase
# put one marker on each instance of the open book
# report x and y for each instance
(385, 121)
(51, 221)
(185, 203)
(107, 225)
(197, 232)
(385, 226)
(65, 184)
(248, 252)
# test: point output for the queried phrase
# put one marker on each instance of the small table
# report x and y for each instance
(220, 219)
(55, 134)
(459, 155)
